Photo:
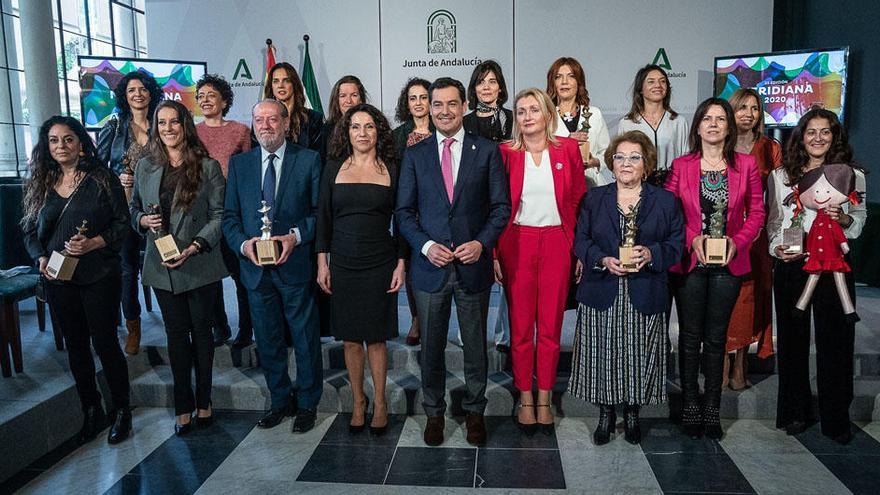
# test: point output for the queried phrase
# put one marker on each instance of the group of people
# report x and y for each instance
(538, 198)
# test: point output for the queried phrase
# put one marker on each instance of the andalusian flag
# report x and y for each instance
(270, 61)
(310, 85)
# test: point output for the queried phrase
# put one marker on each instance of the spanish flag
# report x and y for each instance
(270, 61)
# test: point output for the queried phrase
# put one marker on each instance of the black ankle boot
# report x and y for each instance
(93, 422)
(607, 423)
(121, 428)
(712, 422)
(631, 429)
(691, 420)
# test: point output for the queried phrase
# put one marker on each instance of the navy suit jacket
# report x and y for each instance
(660, 228)
(296, 204)
(479, 210)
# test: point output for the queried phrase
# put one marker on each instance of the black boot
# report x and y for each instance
(121, 428)
(631, 429)
(712, 422)
(607, 423)
(93, 422)
(691, 420)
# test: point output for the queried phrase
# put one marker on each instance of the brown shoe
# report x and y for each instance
(476, 429)
(133, 341)
(434, 430)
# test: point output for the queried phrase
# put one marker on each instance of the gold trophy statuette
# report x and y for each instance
(164, 242)
(127, 169)
(267, 249)
(61, 265)
(793, 236)
(629, 241)
(716, 244)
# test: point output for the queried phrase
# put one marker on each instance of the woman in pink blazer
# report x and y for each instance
(534, 254)
(712, 179)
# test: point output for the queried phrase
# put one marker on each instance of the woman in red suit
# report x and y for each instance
(712, 179)
(534, 256)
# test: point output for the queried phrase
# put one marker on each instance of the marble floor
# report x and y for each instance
(234, 457)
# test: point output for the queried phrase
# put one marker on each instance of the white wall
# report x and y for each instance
(372, 39)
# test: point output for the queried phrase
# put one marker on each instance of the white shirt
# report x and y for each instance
(599, 141)
(279, 160)
(537, 203)
(455, 150)
(670, 138)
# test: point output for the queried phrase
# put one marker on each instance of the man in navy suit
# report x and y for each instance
(286, 176)
(452, 204)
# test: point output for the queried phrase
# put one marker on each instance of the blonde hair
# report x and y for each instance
(548, 111)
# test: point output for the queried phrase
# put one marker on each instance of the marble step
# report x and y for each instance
(244, 388)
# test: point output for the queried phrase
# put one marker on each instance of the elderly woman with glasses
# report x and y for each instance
(619, 344)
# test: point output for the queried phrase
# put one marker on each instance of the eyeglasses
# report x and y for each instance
(632, 159)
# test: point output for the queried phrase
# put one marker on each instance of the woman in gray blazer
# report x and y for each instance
(179, 192)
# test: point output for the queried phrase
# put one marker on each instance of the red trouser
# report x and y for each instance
(536, 264)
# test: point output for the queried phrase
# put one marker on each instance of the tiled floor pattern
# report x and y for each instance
(234, 457)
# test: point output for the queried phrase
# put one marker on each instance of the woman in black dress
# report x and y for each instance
(69, 188)
(360, 260)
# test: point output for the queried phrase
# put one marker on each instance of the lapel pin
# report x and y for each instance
(558, 166)
(473, 146)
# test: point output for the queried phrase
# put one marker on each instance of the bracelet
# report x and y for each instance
(849, 222)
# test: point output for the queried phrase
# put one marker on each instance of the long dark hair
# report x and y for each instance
(334, 110)
(796, 157)
(299, 113)
(120, 91)
(45, 172)
(638, 99)
(340, 144)
(402, 114)
(193, 153)
(583, 96)
(696, 143)
(480, 72)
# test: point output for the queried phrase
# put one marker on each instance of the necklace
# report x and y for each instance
(71, 184)
(570, 115)
(710, 165)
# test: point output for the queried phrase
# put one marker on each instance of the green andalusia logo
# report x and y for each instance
(661, 60)
(242, 70)
(441, 32)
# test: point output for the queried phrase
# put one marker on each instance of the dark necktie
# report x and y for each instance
(269, 184)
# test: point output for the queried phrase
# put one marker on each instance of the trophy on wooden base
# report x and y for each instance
(793, 236)
(165, 243)
(716, 244)
(629, 241)
(127, 169)
(267, 248)
(61, 265)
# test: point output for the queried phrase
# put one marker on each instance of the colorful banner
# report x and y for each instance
(789, 83)
(98, 76)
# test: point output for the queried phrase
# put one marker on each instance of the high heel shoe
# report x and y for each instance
(631, 430)
(528, 429)
(182, 429)
(712, 423)
(546, 428)
(203, 421)
(355, 429)
(607, 423)
(378, 431)
(691, 420)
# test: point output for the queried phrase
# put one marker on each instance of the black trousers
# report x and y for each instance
(704, 300)
(130, 261)
(189, 317)
(834, 350)
(88, 313)
(245, 327)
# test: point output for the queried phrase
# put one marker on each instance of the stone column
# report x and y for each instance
(40, 67)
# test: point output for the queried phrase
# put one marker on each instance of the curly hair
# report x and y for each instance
(218, 83)
(340, 144)
(796, 157)
(193, 153)
(149, 82)
(45, 172)
(477, 76)
(638, 99)
(402, 113)
(696, 142)
(334, 110)
(649, 152)
(583, 96)
(299, 113)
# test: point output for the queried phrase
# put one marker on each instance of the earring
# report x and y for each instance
(82, 153)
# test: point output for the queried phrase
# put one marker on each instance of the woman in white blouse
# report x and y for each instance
(652, 114)
(534, 254)
(577, 119)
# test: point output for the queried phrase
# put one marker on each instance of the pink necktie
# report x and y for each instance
(446, 165)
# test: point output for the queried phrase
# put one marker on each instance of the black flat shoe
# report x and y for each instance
(607, 423)
(844, 438)
(528, 429)
(121, 428)
(355, 429)
(182, 429)
(94, 420)
(546, 428)
(796, 427)
(273, 418)
(304, 421)
(631, 430)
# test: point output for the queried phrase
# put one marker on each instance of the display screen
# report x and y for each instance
(790, 83)
(98, 76)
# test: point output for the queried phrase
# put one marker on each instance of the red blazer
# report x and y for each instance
(745, 207)
(568, 182)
